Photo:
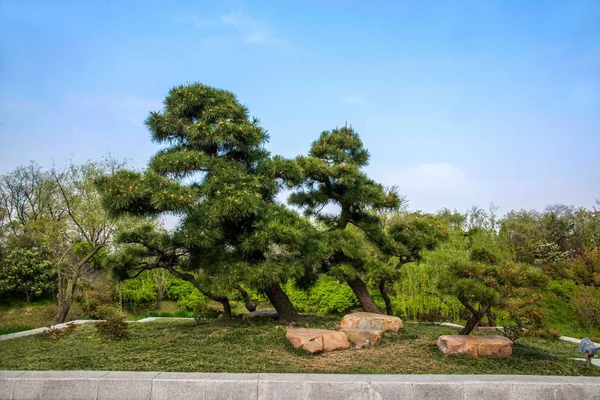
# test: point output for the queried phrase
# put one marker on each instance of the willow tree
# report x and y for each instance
(332, 176)
(403, 239)
(216, 175)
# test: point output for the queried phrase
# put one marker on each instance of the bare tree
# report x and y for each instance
(90, 227)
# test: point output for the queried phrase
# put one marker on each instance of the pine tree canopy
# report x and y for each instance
(332, 175)
(216, 175)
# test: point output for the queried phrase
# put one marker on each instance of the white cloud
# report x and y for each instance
(249, 29)
(354, 99)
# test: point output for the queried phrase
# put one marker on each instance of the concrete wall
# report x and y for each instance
(98, 385)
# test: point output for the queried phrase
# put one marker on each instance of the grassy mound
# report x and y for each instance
(260, 346)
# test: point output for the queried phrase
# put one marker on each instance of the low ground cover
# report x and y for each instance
(243, 345)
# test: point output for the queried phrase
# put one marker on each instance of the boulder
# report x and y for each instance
(475, 346)
(315, 340)
(263, 313)
(363, 337)
(371, 321)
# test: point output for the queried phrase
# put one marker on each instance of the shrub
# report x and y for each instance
(430, 317)
(586, 304)
(332, 296)
(113, 328)
(58, 333)
(544, 333)
(96, 295)
(185, 294)
(513, 332)
(205, 313)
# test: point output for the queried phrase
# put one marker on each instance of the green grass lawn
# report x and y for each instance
(260, 346)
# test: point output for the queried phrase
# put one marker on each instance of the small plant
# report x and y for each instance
(513, 332)
(113, 328)
(432, 317)
(545, 333)
(55, 334)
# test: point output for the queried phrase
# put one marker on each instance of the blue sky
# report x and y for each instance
(460, 103)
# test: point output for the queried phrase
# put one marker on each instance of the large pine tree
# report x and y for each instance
(332, 175)
(216, 175)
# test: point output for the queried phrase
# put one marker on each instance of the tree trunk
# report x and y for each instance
(281, 302)
(68, 283)
(362, 294)
(490, 317)
(247, 302)
(388, 303)
(474, 320)
(226, 307)
(64, 306)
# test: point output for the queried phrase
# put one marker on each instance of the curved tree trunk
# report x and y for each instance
(224, 300)
(226, 307)
(388, 303)
(247, 302)
(474, 320)
(281, 302)
(362, 294)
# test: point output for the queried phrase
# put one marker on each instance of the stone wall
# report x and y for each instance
(99, 385)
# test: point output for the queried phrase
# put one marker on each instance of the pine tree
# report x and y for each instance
(216, 175)
(332, 175)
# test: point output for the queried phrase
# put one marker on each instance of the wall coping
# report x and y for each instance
(116, 385)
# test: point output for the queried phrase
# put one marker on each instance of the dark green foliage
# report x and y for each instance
(14, 329)
(216, 174)
(26, 271)
(114, 328)
(483, 256)
(327, 296)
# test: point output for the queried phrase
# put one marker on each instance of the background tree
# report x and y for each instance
(90, 227)
(332, 176)
(481, 279)
(404, 238)
(26, 271)
(216, 176)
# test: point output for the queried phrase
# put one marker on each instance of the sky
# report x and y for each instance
(459, 103)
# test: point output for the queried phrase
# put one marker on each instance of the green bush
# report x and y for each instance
(113, 328)
(185, 294)
(332, 296)
(586, 303)
(139, 291)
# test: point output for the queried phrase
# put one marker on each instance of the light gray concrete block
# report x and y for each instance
(126, 385)
(28, 389)
(57, 385)
(283, 386)
(386, 391)
(179, 386)
(488, 390)
(586, 391)
(536, 390)
(437, 391)
(232, 386)
(70, 389)
(334, 389)
(7, 383)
